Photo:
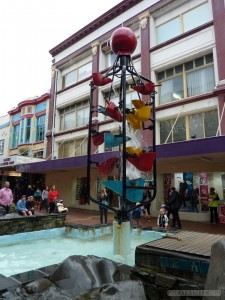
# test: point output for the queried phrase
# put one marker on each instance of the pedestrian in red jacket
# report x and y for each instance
(52, 195)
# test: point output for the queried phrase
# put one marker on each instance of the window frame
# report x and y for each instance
(183, 70)
(15, 135)
(2, 144)
(73, 109)
(188, 130)
(76, 73)
(182, 22)
(40, 128)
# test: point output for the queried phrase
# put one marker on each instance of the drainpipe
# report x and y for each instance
(54, 113)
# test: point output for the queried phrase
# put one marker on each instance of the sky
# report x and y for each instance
(28, 30)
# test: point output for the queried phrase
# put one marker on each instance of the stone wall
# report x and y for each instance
(13, 223)
(160, 286)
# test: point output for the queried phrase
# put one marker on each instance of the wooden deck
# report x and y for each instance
(188, 242)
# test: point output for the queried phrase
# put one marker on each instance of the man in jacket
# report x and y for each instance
(174, 205)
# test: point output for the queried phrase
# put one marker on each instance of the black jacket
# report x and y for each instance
(174, 200)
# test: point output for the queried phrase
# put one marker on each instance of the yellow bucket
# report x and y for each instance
(134, 122)
(143, 113)
(132, 150)
(138, 103)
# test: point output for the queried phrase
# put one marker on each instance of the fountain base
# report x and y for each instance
(121, 238)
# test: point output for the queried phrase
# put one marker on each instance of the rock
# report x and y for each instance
(77, 274)
(132, 290)
(38, 285)
(216, 273)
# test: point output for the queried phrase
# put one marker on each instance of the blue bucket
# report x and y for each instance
(112, 140)
(133, 195)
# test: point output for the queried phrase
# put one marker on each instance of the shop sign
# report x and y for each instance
(10, 173)
(8, 161)
(17, 160)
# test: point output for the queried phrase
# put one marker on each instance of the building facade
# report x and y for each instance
(179, 46)
(24, 140)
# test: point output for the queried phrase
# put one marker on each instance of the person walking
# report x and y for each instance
(52, 195)
(213, 199)
(6, 197)
(44, 197)
(104, 199)
(174, 204)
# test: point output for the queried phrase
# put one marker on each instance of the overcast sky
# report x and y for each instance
(28, 30)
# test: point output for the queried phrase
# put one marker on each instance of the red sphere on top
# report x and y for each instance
(123, 41)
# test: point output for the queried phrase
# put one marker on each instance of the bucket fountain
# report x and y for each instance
(130, 184)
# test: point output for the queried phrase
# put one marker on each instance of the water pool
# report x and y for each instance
(32, 250)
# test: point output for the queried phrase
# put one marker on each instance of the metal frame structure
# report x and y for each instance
(123, 67)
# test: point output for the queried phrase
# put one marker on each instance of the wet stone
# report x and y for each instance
(6, 283)
(28, 276)
(49, 270)
(165, 280)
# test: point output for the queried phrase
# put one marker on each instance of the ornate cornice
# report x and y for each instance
(26, 102)
(94, 25)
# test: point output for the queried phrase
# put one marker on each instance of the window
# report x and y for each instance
(187, 21)
(2, 146)
(27, 131)
(201, 125)
(40, 129)
(192, 78)
(72, 148)
(77, 75)
(168, 30)
(177, 134)
(196, 17)
(69, 78)
(22, 131)
(75, 115)
(15, 138)
(85, 71)
(29, 109)
(110, 59)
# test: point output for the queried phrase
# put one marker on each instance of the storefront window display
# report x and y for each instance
(192, 189)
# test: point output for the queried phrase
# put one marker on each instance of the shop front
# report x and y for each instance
(192, 167)
(17, 179)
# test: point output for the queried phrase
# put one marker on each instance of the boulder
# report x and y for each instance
(216, 274)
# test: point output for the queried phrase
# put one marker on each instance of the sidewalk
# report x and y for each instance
(86, 217)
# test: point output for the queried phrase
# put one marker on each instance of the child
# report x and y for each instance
(163, 220)
(136, 214)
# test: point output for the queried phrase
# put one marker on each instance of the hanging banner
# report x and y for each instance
(166, 186)
(81, 190)
(203, 190)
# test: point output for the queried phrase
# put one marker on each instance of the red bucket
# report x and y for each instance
(99, 80)
(105, 168)
(113, 111)
(143, 162)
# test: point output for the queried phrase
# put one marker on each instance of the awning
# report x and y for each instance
(206, 154)
(65, 163)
